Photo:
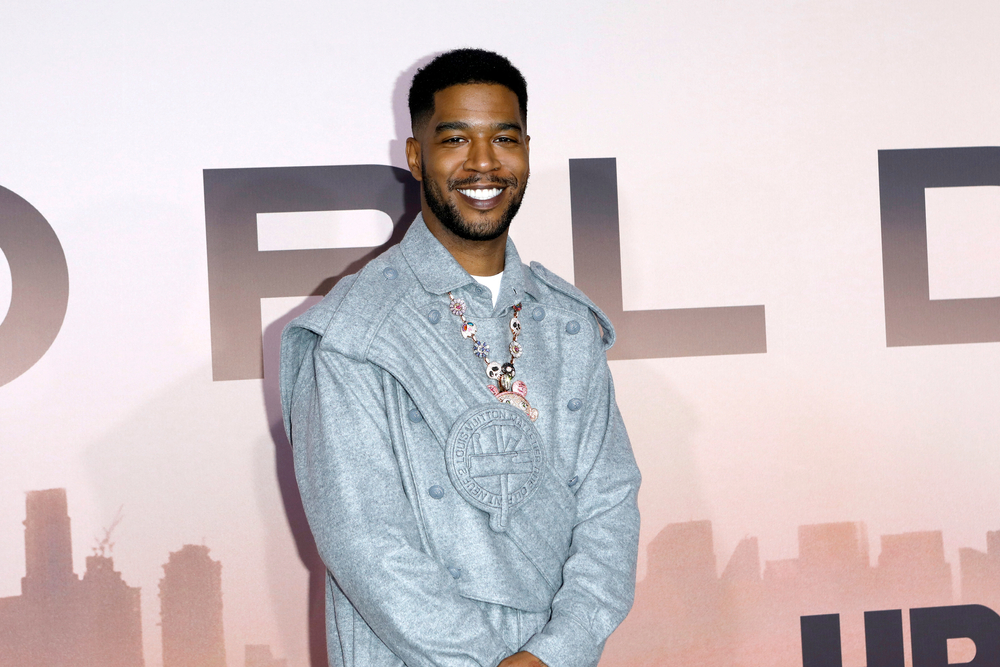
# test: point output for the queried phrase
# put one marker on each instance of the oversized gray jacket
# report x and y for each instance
(456, 531)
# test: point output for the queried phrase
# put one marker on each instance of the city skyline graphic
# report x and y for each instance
(685, 612)
(95, 621)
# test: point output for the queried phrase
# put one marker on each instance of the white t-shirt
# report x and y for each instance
(493, 282)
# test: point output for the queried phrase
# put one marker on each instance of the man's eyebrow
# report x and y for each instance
(451, 125)
(460, 125)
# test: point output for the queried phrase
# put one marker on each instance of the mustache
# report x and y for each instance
(491, 179)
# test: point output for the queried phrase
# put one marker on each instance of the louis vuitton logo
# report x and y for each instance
(500, 455)
(495, 460)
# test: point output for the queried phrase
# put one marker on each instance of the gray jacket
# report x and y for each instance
(456, 531)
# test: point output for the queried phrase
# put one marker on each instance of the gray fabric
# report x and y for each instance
(372, 387)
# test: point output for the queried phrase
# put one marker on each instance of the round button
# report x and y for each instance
(574, 480)
(574, 404)
(572, 327)
(434, 317)
(389, 273)
(538, 314)
(455, 572)
(479, 290)
(436, 492)
(414, 415)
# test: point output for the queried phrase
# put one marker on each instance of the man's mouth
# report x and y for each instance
(481, 194)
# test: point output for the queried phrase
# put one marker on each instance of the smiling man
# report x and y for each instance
(465, 520)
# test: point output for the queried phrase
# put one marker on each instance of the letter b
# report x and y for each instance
(932, 627)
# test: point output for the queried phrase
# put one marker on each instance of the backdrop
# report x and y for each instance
(790, 210)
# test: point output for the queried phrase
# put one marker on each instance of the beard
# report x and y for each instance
(449, 216)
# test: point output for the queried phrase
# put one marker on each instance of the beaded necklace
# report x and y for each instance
(507, 389)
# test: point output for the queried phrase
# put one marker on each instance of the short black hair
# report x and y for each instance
(463, 66)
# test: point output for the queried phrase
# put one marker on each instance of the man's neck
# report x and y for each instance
(478, 258)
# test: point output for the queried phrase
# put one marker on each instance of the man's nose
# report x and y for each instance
(482, 157)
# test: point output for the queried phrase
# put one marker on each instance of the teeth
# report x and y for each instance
(481, 194)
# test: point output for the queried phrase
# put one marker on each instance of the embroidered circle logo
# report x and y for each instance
(495, 460)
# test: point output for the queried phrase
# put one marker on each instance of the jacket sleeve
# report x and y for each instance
(599, 574)
(364, 525)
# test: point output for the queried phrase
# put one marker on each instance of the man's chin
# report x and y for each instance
(487, 232)
(479, 226)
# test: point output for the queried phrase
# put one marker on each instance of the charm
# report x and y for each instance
(516, 349)
(481, 349)
(493, 371)
(515, 325)
(507, 369)
(457, 307)
(518, 398)
(506, 381)
(468, 329)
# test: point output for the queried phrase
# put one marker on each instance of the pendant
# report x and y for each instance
(517, 397)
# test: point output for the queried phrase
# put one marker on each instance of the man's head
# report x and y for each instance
(463, 66)
(469, 147)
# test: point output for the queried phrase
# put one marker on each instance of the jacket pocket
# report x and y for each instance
(542, 528)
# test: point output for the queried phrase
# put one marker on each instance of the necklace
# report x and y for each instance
(507, 389)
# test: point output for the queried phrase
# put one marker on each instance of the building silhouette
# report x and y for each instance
(686, 615)
(60, 619)
(682, 585)
(191, 609)
(834, 572)
(259, 655)
(742, 590)
(981, 573)
(912, 572)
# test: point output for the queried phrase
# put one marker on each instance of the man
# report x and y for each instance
(463, 464)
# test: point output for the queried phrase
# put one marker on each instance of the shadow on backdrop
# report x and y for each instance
(282, 450)
(401, 109)
(284, 467)
(285, 471)
(272, 398)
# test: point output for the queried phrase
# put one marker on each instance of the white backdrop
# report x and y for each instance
(746, 138)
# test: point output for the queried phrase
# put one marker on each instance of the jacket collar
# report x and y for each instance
(439, 272)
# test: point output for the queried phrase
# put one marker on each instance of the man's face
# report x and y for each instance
(471, 158)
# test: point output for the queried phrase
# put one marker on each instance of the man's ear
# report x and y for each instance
(413, 158)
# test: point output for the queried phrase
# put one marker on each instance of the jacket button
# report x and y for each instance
(538, 314)
(574, 480)
(455, 572)
(434, 317)
(479, 290)
(572, 327)
(436, 492)
(414, 415)
(389, 273)
(574, 404)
